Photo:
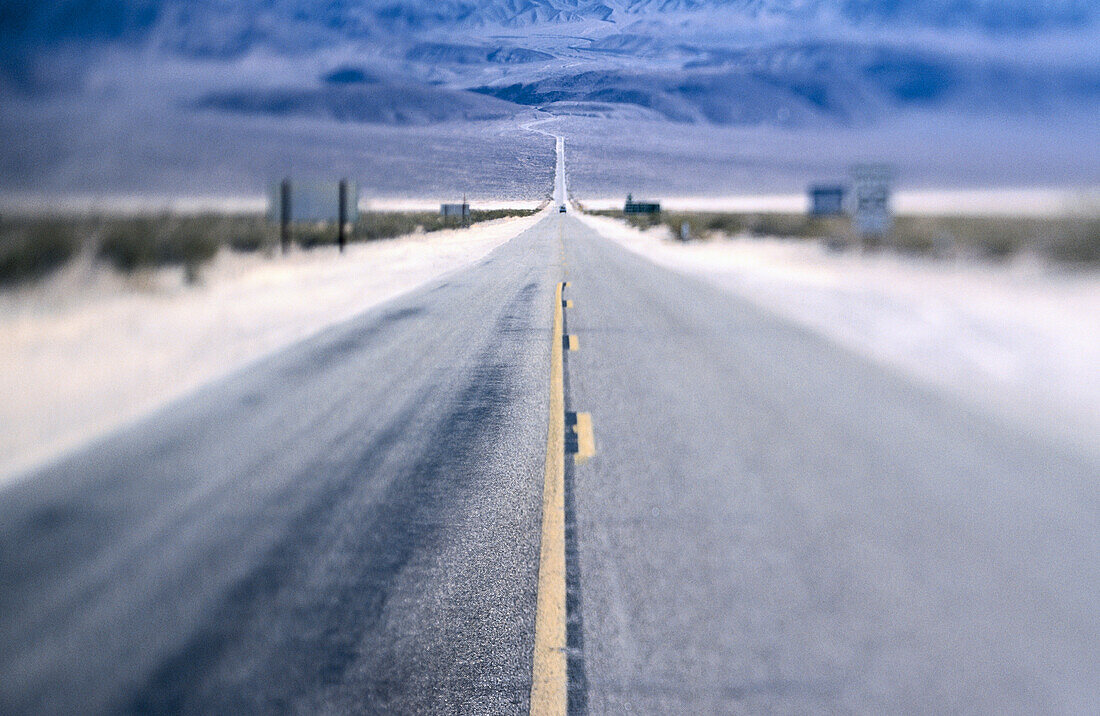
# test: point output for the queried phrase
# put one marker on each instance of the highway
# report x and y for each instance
(758, 521)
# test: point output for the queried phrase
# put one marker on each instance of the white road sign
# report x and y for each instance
(871, 212)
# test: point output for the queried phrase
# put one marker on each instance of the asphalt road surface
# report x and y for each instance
(769, 523)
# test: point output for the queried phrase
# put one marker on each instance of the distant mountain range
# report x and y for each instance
(794, 84)
(730, 62)
(25, 22)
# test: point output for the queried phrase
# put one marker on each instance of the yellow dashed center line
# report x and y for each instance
(586, 444)
(549, 676)
(570, 343)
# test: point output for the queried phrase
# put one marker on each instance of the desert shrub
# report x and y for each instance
(916, 243)
(387, 224)
(187, 243)
(994, 238)
(1064, 239)
(785, 225)
(34, 249)
(917, 235)
(702, 223)
(477, 215)
(139, 243)
(644, 221)
(639, 221)
(254, 235)
(129, 244)
(310, 236)
(375, 225)
(1079, 242)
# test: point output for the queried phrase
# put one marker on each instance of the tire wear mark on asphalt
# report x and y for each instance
(338, 343)
(356, 547)
(83, 524)
(184, 681)
(575, 663)
(401, 314)
(85, 528)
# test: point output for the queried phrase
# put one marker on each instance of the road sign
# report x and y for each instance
(826, 200)
(462, 210)
(641, 207)
(313, 201)
(870, 199)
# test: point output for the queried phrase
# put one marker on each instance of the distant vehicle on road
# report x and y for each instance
(561, 209)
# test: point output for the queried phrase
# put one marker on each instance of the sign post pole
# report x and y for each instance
(341, 235)
(284, 214)
(317, 203)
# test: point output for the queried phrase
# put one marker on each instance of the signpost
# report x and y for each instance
(342, 220)
(293, 202)
(641, 207)
(283, 201)
(872, 217)
(826, 200)
(462, 211)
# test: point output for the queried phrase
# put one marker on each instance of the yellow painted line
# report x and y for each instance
(567, 304)
(586, 443)
(549, 676)
(570, 343)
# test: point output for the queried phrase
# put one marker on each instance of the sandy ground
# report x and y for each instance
(1022, 339)
(87, 351)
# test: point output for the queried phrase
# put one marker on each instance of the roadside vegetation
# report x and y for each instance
(142, 243)
(375, 225)
(34, 248)
(1074, 240)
